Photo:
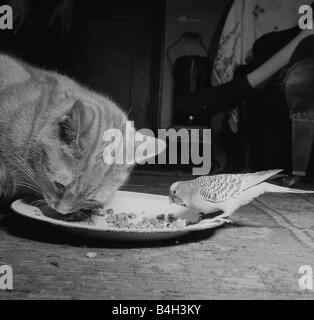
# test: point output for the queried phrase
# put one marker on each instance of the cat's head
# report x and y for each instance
(71, 164)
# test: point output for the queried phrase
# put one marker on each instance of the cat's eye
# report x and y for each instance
(67, 133)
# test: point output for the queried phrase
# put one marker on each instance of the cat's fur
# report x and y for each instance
(51, 132)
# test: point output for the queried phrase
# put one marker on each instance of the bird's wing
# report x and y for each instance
(219, 188)
(224, 187)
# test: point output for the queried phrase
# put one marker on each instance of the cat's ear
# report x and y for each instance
(145, 148)
(130, 146)
(77, 123)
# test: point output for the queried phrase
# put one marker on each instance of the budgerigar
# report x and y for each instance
(225, 192)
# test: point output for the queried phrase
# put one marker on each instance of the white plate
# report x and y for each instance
(123, 201)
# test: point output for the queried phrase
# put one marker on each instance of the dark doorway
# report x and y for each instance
(122, 54)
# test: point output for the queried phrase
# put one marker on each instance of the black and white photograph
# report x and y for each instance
(156, 154)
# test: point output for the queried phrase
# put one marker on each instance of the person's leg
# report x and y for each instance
(298, 87)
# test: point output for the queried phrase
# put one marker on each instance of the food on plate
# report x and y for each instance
(109, 219)
(123, 220)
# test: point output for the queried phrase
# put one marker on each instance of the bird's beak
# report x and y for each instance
(176, 200)
(171, 198)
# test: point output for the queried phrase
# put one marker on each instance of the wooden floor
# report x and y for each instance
(258, 257)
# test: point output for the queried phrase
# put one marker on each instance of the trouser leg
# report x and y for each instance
(302, 129)
(302, 142)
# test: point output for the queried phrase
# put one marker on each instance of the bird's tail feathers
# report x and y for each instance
(269, 187)
(252, 179)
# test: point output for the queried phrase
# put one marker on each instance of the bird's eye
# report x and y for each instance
(174, 191)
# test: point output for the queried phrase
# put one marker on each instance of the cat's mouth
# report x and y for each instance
(82, 215)
(72, 205)
(79, 215)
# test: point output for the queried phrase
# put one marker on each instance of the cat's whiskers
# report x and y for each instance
(20, 167)
(24, 167)
(38, 202)
(16, 172)
(129, 111)
(27, 167)
(28, 186)
(28, 182)
(84, 215)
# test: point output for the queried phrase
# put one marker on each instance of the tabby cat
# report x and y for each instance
(51, 139)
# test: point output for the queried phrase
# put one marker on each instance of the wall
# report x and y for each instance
(201, 16)
(118, 54)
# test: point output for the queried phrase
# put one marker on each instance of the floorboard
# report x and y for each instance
(257, 257)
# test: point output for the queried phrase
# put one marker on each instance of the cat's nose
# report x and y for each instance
(59, 206)
(63, 208)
